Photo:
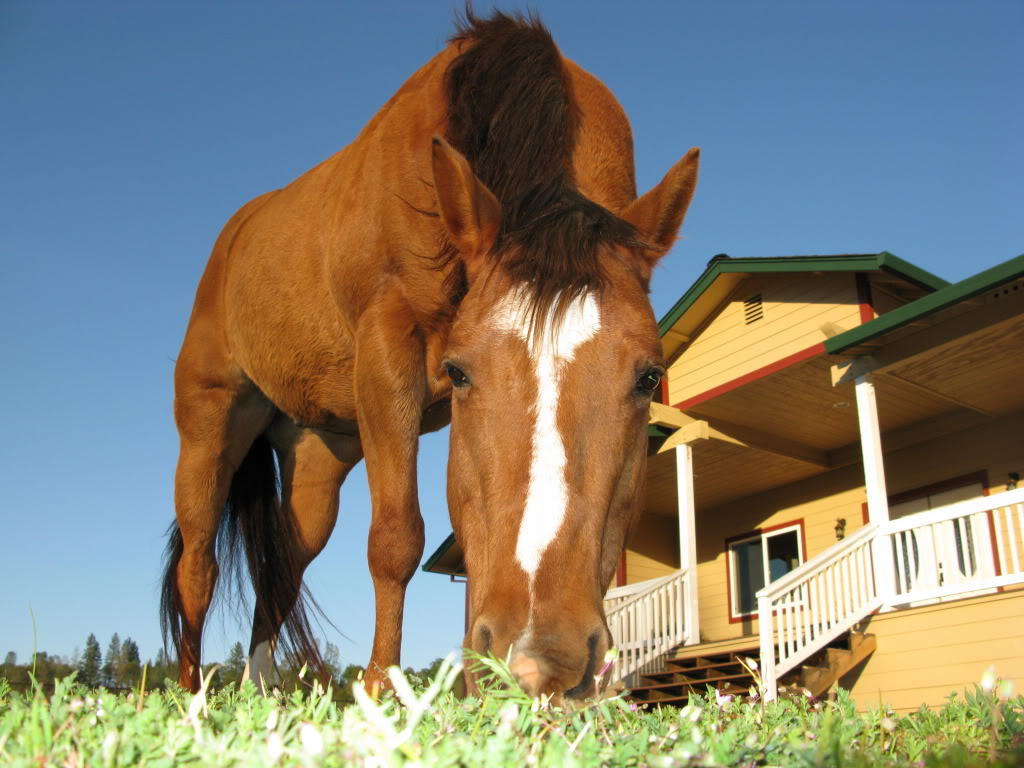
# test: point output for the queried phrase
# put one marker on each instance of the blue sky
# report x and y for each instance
(130, 132)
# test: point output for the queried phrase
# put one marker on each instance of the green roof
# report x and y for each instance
(720, 265)
(927, 305)
(439, 552)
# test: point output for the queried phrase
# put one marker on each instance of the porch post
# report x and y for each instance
(687, 540)
(874, 482)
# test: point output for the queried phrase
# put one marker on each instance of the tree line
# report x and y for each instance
(121, 667)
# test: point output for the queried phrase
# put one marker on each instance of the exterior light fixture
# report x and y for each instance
(840, 528)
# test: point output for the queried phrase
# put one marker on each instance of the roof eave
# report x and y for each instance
(927, 305)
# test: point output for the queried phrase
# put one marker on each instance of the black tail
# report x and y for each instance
(254, 532)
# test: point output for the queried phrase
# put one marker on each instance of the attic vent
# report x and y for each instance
(753, 309)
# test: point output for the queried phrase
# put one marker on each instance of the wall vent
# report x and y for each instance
(753, 309)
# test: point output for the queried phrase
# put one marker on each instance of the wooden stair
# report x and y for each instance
(689, 670)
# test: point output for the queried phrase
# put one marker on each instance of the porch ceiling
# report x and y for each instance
(722, 471)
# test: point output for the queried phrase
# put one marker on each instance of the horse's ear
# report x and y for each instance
(659, 213)
(471, 213)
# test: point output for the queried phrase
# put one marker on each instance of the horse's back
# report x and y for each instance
(295, 269)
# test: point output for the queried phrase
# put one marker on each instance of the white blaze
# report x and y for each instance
(547, 497)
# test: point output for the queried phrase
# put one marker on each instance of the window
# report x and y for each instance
(758, 559)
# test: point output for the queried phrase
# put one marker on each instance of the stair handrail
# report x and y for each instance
(654, 584)
(829, 596)
(819, 562)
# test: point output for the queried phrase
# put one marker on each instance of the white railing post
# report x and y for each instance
(769, 684)
(688, 539)
(874, 483)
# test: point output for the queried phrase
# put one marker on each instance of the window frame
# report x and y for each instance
(763, 533)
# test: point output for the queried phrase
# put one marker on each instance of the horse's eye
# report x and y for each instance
(649, 381)
(459, 379)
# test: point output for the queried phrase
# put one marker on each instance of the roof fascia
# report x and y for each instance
(927, 305)
(439, 553)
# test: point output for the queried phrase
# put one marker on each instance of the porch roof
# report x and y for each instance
(871, 334)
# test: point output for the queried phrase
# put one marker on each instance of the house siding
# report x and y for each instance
(800, 310)
(653, 549)
(926, 653)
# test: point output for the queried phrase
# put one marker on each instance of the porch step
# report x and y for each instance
(822, 670)
(689, 671)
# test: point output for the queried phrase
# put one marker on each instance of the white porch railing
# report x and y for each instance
(647, 620)
(953, 551)
(968, 547)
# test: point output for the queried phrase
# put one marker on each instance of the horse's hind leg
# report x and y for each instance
(218, 420)
(313, 467)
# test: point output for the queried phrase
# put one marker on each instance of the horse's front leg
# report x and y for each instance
(390, 392)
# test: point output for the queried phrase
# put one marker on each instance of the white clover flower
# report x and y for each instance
(312, 740)
(988, 680)
(1006, 690)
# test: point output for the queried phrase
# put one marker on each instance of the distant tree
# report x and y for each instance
(160, 670)
(430, 671)
(332, 660)
(129, 666)
(233, 667)
(89, 670)
(10, 669)
(108, 675)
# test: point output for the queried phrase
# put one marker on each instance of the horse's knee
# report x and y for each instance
(395, 549)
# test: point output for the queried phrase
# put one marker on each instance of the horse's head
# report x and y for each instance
(554, 356)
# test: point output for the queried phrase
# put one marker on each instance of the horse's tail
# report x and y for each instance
(254, 537)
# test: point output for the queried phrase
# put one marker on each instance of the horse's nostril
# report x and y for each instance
(587, 686)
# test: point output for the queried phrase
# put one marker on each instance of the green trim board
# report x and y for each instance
(927, 305)
(439, 553)
(874, 262)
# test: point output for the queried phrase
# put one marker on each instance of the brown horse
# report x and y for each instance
(495, 278)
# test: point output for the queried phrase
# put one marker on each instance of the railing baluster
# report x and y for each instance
(812, 605)
(1013, 533)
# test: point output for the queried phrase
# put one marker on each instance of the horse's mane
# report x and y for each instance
(512, 114)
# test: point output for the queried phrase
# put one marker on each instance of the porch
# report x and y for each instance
(966, 549)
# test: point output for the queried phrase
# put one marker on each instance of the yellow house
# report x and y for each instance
(837, 447)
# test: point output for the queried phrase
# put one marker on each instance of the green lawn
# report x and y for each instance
(427, 725)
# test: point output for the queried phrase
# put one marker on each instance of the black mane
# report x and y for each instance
(512, 114)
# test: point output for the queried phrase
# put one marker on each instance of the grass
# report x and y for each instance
(424, 724)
